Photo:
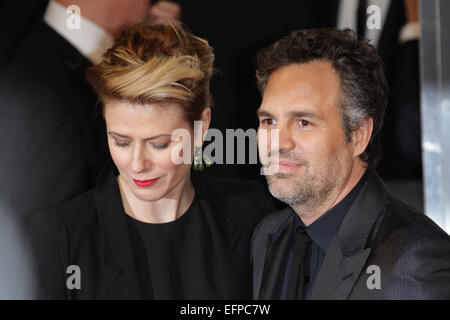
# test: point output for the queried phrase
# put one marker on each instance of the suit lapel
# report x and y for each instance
(269, 256)
(348, 251)
(223, 241)
(122, 273)
(338, 274)
(232, 268)
(275, 254)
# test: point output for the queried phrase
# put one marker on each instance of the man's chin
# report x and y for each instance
(280, 175)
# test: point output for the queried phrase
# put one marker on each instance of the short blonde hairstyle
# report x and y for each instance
(156, 64)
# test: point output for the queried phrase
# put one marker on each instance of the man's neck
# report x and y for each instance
(90, 40)
(309, 213)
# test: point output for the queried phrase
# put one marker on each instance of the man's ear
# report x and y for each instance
(206, 120)
(361, 136)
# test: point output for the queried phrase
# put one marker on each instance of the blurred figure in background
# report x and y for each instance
(56, 144)
(396, 37)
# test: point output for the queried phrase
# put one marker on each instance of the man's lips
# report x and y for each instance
(288, 164)
(285, 165)
(145, 183)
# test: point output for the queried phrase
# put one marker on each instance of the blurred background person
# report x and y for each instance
(56, 144)
(396, 35)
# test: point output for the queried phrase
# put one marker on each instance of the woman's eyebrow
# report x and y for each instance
(150, 138)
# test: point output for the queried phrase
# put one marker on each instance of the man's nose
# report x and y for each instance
(285, 140)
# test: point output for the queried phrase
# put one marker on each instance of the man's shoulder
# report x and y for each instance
(395, 217)
(410, 222)
(42, 60)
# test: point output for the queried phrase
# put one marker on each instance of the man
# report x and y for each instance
(343, 235)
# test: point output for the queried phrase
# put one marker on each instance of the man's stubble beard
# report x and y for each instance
(307, 190)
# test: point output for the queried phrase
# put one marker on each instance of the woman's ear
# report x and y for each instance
(361, 136)
(206, 120)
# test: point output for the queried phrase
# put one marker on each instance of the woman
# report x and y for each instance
(151, 229)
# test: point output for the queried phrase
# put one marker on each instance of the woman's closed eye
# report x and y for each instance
(160, 146)
(121, 144)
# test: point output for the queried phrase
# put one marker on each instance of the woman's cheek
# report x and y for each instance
(119, 157)
(164, 159)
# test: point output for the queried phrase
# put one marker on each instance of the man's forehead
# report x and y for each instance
(307, 86)
(303, 78)
(288, 101)
(297, 101)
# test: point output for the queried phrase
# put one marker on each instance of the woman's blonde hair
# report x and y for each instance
(156, 64)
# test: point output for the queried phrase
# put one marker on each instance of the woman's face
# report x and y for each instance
(139, 139)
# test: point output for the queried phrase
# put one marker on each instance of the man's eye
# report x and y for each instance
(160, 146)
(304, 123)
(120, 144)
(268, 122)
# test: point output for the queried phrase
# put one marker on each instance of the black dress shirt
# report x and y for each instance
(309, 246)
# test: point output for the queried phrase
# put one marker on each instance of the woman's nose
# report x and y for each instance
(140, 162)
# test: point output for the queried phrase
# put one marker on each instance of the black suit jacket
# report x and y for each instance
(411, 251)
(92, 232)
(55, 145)
(16, 19)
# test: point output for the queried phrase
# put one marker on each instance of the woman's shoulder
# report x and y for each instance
(72, 213)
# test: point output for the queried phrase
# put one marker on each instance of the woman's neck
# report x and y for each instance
(167, 209)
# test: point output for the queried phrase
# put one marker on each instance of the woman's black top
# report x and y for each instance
(180, 256)
(203, 254)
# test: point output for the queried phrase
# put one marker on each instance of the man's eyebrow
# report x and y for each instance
(304, 114)
(127, 137)
(298, 114)
(263, 113)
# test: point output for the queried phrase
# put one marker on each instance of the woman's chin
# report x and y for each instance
(148, 195)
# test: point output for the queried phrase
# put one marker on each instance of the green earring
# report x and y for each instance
(208, 161)
(198, 161)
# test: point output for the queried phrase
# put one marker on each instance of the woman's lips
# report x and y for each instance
(145, 183)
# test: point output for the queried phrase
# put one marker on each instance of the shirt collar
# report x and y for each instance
(90, 40)
(323, 229)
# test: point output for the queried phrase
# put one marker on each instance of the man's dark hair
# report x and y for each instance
(358, 65)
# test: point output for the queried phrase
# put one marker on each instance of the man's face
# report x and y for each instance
(315, 159)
